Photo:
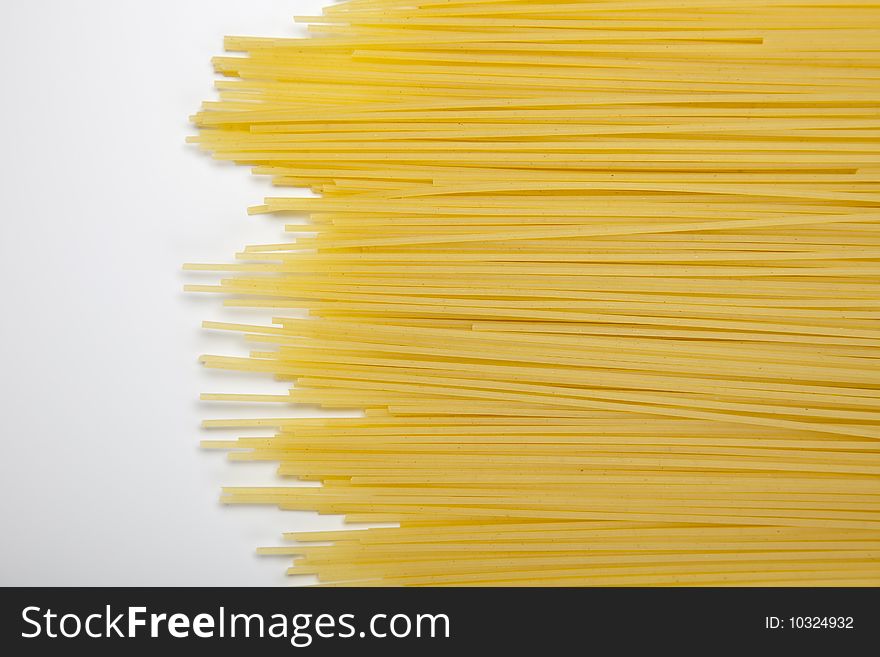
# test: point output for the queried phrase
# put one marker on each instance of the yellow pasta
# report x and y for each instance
(598, 282)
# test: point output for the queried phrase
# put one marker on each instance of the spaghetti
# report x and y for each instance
(603, 279)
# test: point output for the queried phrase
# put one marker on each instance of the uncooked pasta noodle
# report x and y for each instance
(599, 283)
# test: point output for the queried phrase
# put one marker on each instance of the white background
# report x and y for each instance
(102, 481)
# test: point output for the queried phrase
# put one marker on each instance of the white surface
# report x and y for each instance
(101, 478)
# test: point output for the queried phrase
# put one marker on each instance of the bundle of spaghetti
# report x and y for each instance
(602, 279)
